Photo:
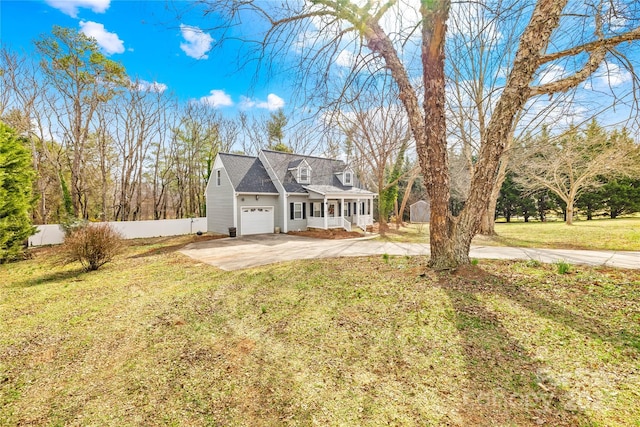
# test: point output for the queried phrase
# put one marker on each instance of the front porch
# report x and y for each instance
(340, 213)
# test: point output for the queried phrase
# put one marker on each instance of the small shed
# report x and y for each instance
(420, 211)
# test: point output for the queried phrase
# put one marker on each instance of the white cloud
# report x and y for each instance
(217, 98)
(613, 75)
(109, 42)
(345, 59)
(273, 103)
(552, 73)
(145, 86)
(198, 43)
(608, 76)
(70, 7)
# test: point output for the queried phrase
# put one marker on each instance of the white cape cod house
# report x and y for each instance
(290, 192)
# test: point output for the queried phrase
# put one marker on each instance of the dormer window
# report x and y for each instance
(348, 178)
(303, 174)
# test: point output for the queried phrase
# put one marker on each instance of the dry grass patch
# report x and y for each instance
(158, 339)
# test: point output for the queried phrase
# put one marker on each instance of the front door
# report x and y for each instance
(333, 210)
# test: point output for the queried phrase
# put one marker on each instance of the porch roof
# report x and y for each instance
(333, 191)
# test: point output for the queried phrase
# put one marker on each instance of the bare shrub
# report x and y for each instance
(92, 245)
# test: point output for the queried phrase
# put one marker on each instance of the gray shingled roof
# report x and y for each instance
(247, 174)
(322, 170)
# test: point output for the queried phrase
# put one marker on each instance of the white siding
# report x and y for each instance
(297, 224)
(281, 212)
(220, 201)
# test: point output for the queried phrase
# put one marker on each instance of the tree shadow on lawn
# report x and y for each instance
(586, 325)
(159, 251)
(166, 245)
(504, 385)
(51, 277)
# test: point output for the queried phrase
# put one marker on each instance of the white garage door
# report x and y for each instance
(256, 220)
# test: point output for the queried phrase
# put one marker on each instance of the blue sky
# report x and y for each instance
(166, 44)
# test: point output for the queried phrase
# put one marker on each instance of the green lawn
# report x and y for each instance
(156, 338)
(621, 234)
(608, 234)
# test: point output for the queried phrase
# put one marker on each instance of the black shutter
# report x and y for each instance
(291, 210)
(322, 209)
(339, 209)
(311, 209)
(304, 210)
(348, 209)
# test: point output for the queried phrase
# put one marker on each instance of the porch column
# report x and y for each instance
(357, 211)
(342, 209)
(326, 213)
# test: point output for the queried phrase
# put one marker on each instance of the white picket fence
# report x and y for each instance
(52, 234)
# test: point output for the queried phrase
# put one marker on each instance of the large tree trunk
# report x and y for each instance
(495, 139)
(432, 151)
(569, 214)
(570, 201)
(450, 238)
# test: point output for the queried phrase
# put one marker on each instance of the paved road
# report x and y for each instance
(251, 251)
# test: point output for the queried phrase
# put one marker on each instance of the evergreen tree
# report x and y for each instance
(16, 200)
(508, 200)
(275, 131)
(591, 202)
(622, 196)
(389, 195)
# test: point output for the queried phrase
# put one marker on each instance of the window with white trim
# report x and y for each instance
(297, 210)
(303, 174)
(317, 209)
(348, 178)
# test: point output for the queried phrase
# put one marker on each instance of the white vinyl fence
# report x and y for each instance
(52, 234)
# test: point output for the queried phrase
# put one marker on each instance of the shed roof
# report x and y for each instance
(419, 202)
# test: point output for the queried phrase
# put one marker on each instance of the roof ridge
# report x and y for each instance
(302, 155)
(239, 155)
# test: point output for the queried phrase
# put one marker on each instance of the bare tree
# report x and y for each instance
(136, 113)
(479, 50)
(74, 67)
(575, 161)
(254, 133)
(196, 142)
(377, 138)
(389, 31)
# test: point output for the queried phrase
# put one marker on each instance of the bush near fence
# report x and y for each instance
(52, 234)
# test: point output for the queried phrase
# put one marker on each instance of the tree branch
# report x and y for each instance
(592, 46)
(562, 85)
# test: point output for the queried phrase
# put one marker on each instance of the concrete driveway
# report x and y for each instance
(251, 251)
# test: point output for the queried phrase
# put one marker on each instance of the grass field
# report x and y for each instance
(622, 234)
(158, 339)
